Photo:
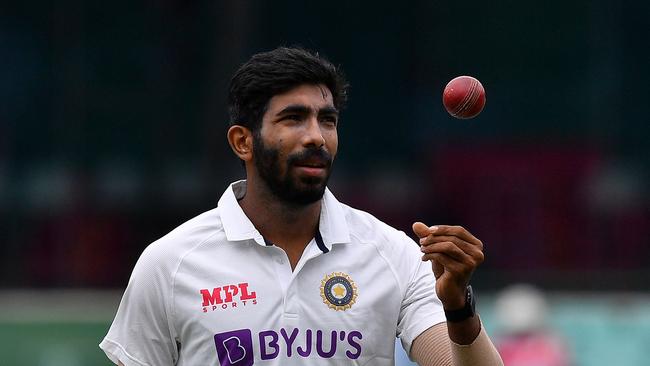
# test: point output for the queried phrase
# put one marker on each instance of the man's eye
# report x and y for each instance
(330, 119)
(293, 117)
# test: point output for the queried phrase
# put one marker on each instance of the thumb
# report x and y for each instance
(420, 229)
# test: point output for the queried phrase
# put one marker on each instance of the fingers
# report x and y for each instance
(454, 242)
(452, 251)
(455, 248)
(449, 248)
(446, 263)
(454, 254)
(428, 235)
(469, 248)
(457, 231)
(421, 230)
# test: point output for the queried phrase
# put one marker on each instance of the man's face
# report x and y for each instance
(296, 144)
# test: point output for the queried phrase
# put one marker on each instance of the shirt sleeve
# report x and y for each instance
(421, 308)
(142, 332)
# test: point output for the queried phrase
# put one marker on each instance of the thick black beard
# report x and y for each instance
(284, 187)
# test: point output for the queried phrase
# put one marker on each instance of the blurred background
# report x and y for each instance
(112, 133)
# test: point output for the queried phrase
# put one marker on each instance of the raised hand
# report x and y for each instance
(454, 254)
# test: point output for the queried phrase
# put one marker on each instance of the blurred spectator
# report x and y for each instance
(526, 338)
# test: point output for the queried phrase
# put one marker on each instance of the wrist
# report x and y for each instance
(454, 298)
(461, 310)
(456, 303)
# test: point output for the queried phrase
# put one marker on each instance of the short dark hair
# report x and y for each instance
(275, 72)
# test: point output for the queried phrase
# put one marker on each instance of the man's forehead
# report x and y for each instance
(309, 95)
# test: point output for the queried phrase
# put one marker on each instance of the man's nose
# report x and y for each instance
(313, 134)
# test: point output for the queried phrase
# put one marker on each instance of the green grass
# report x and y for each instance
(52, 344)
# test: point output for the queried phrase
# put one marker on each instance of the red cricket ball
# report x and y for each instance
(464, 97)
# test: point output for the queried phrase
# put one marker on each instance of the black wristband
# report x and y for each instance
(467, 311)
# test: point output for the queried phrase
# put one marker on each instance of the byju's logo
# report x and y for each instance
(235, 348)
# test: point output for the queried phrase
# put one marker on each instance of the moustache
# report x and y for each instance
(314, 157)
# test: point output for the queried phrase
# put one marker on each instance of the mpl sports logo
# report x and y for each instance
(236, 348)
(228, 296)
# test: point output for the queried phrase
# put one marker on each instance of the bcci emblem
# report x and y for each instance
(338, 291)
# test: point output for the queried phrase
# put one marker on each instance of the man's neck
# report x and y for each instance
(290, 227)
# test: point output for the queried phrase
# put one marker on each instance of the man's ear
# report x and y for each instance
(240, 139)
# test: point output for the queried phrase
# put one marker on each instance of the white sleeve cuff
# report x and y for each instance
(116, 353)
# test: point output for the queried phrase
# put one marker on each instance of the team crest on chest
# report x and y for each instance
(338, 290)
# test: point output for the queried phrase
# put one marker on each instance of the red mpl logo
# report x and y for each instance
(228, 296)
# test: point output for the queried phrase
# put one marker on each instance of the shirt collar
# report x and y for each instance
(333, 225)
(237, 226)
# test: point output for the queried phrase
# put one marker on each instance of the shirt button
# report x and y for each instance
(280, 261)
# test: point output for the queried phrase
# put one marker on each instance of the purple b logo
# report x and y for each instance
(235, 348)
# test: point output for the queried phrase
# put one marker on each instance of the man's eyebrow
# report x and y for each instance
(294, 108)
(302, 109)
(328, 110)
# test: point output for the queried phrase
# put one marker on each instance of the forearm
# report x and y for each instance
(480, 352)
(434, 347)
(464, 332)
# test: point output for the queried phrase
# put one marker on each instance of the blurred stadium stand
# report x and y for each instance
(112, 122)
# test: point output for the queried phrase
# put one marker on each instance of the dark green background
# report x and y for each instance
(113, 117)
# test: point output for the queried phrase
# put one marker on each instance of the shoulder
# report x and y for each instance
(367, 228)
(166, 252)
(394, 245)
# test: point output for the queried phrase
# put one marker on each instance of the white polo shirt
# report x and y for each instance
(213, 292)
